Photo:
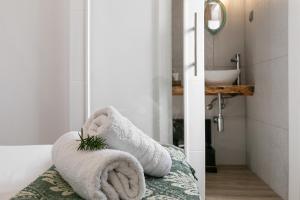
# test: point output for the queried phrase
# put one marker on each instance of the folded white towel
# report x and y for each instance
(121, 134)
(104, 174)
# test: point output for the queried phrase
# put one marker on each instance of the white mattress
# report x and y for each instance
(20, 165)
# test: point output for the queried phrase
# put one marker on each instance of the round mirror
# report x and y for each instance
(215, 16)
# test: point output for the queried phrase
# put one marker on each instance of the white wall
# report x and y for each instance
(267, 111)
(33, 70)
(131, 62)
(294, 99)
(219, 49)
(49, 38)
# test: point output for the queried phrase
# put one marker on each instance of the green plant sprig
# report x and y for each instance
(90, 143)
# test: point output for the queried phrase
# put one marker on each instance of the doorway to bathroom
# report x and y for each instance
(246, 78)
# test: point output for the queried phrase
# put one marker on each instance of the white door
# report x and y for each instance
(194, 88)
(130, 62)
(130, 68)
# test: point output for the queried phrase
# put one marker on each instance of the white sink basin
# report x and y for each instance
(221, 77)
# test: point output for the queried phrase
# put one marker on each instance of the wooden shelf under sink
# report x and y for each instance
(177, 90)
(243, 90)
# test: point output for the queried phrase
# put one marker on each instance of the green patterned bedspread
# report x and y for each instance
(180, 184)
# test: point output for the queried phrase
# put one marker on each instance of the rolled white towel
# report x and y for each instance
(121, 134)
(104, 174)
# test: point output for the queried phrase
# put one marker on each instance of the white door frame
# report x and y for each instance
(294, 99)
(87, 60)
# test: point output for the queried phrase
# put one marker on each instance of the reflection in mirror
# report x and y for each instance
(215, 16)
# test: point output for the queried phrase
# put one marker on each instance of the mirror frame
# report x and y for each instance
(223, 9)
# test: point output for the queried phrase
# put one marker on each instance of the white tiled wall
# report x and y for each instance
(219, 49)
(267, 110)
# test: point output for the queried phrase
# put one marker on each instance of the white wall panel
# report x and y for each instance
(130, 61)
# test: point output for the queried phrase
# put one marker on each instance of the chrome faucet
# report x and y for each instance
(237, 59)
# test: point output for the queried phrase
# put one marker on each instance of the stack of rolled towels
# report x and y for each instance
(116, 172)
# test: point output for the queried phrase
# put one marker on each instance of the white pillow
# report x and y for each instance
(20, 165)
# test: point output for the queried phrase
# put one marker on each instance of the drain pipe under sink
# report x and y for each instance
(220, 119)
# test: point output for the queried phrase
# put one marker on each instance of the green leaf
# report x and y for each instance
(91, 143)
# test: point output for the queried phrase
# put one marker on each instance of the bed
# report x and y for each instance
(180, 184)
